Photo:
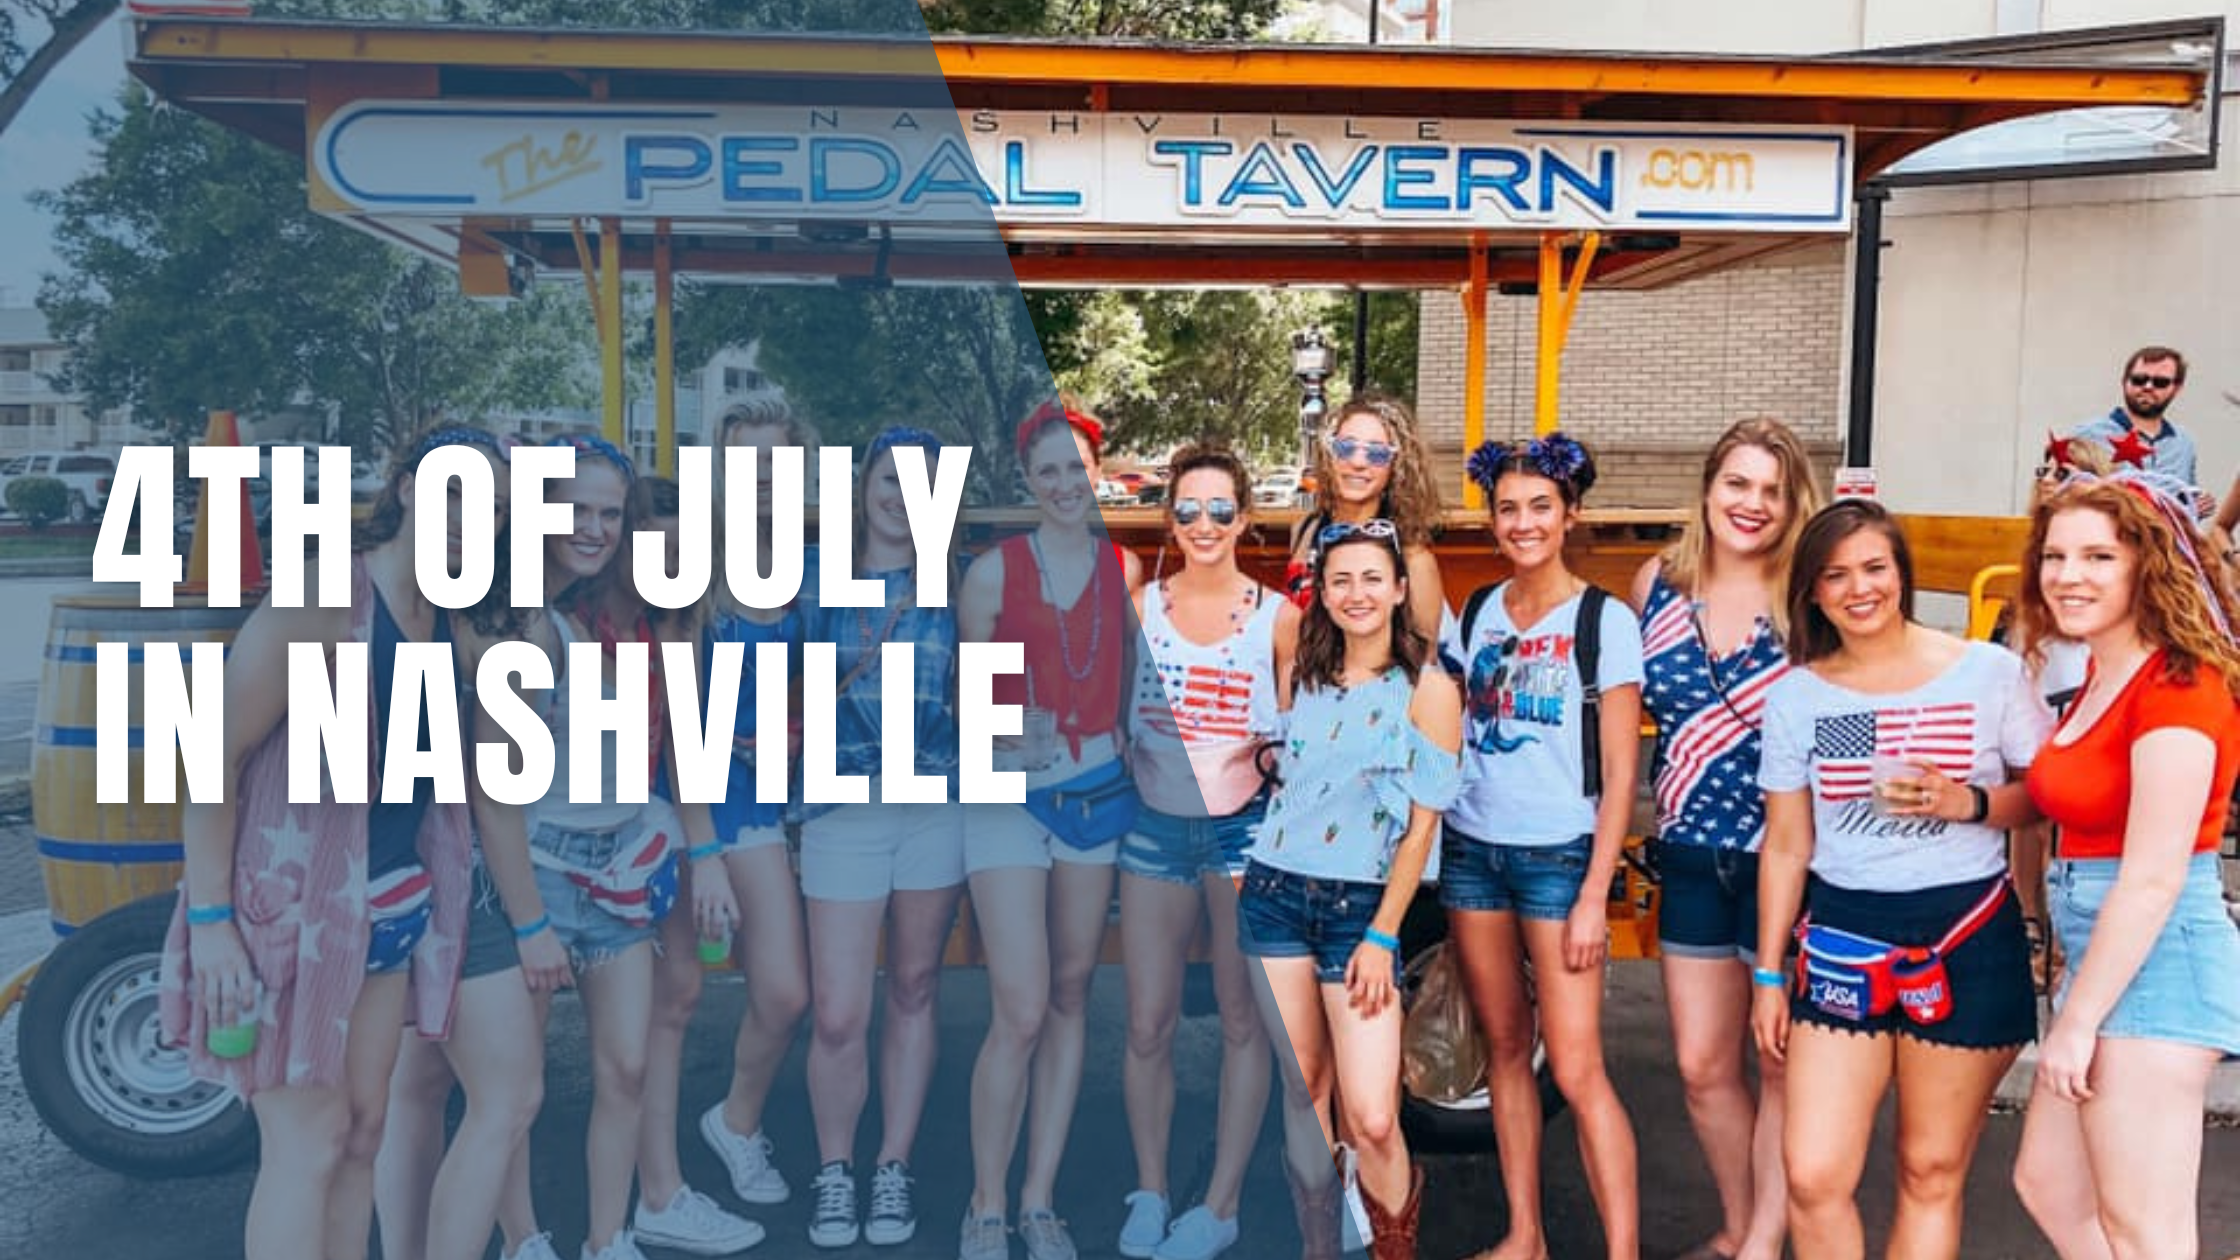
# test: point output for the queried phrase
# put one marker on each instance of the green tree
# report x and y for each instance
(35, 37)
(196, 278)
(1220, 368)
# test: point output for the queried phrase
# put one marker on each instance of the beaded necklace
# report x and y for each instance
(1093, 596)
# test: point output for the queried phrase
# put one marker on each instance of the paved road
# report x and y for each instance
(52, 1204)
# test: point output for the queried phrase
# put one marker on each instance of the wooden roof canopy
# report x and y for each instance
(278, 80)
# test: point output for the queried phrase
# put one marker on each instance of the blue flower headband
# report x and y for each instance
(1556, 457)
(586, 444)
(900, 435)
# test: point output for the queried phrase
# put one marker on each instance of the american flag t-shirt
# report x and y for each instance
(1845, 745)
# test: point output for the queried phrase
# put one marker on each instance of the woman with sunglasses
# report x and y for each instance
(880, 869)
(2140, 777)
(771, 946)
(285, 973)
(1204, 708)
(1532, 845)
(1369, 760)
(1713, 609)
(1042, 900)
(1891, 767)
(1371, 464)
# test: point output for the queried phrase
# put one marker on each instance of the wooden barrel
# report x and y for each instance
(97, 857)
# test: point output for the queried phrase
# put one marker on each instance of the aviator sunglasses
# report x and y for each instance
(1223, 511)
(2140, 380)
(1344, 449)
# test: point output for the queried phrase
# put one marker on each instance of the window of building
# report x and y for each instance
(15, 360)
(17, 417)
(744, 381)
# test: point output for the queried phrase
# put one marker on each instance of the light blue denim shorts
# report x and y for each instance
(2188, 989)
(593, 936)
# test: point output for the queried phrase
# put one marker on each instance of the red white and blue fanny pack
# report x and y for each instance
(637, 883)
(1854, 977)
(398, 907)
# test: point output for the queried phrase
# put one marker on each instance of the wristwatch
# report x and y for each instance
(1983, 803)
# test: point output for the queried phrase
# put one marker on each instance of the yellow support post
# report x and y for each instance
(610, 329)
(664, 353)
(1559, 300)
(1474, 365)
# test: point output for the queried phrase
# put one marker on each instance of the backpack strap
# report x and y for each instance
(1586, 651)
(1471, 607)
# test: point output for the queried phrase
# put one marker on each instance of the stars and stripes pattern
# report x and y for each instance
(1202, 703)
(1845, 745)
(1707, 752)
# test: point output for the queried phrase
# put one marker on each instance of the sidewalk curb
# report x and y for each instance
(2223, 1106)
(59, 566)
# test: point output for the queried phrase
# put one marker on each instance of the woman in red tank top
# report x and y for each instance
(1063, 592)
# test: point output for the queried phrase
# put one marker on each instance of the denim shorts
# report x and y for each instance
(1707, 902)
(1180, 850)
(1994, 998)
(2188, 989)
(1282, 915)
(593, 936)
(1533, 881)
(491, 947)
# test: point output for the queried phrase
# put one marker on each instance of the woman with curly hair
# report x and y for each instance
(1553, 720)
(1371, 465)
(2139, 778)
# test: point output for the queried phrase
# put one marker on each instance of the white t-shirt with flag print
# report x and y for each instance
(1978, 722)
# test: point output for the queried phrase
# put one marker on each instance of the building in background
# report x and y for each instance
(1347, 21)
(34, 414)
(2006, 308)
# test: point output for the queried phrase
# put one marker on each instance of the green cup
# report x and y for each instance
(716, 952)
(237, 1041)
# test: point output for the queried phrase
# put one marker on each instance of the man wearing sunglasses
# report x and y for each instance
(2152, 380)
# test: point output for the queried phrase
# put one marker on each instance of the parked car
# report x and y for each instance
(86, 475)
(1278, 489)
(1112, 493)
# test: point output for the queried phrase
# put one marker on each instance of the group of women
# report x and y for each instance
(1834, 784)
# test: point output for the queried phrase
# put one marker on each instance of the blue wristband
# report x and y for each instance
(1768, 979)
(532, 927)
(708, 850)
(1385, 941)
(209, 916)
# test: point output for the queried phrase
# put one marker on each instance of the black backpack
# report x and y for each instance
(1586, 650)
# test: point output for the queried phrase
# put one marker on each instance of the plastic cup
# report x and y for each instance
(715, 951)
(1038, 738)
(1897, 784)
(236, 1041)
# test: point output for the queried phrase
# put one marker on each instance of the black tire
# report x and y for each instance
(96, 1068)
(1464, 1128)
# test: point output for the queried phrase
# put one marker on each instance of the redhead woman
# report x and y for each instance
(1368, 762)
(1713, 609)
(302, 923)
(1203, 709)
(1042, 898)
(1553, 705)
(2139, 779)
(1371, 464)
(1891, 765)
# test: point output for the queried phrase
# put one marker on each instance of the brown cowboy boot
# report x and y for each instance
(1318, 1209)
(1392, 1233)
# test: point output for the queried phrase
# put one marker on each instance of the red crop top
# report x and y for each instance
(2085, 787)
(1073, 657)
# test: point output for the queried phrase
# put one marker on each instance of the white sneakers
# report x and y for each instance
(620, 1247)
(747, 1158)
(1197, 1235)
(694, 1223)
(1146, 1226)
(534, 1247)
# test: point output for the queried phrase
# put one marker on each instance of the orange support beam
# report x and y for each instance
(1474, 363)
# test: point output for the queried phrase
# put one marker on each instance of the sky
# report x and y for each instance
(47, 147)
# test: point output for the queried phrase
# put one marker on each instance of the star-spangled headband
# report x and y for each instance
(2129, 449)
(457, 435)
(2177, 504)
(1556, 457)
(1051, 413)
(585, 444)
(900, 435)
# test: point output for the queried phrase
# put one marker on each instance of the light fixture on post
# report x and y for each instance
(1312, 361)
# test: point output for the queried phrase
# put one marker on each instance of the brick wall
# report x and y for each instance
(1650, 378)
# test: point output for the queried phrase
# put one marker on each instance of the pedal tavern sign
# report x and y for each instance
(1122, 170)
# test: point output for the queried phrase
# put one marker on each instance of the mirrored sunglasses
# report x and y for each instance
(1345, 531)
(1223, 511)
(1346, 449)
